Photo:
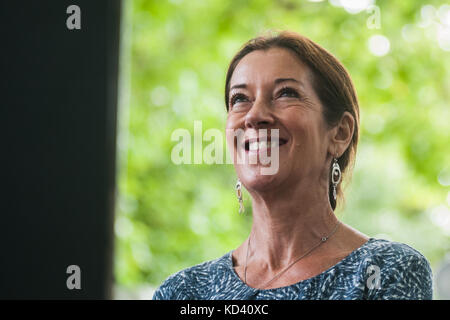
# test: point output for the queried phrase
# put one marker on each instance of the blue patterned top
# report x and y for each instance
(379, 269)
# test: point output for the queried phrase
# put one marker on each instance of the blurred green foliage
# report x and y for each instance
(171, 216)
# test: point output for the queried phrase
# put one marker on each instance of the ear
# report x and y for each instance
(342, 134)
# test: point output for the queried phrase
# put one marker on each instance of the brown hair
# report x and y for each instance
(331, 82)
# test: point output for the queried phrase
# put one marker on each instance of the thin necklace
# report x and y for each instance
(322, 240)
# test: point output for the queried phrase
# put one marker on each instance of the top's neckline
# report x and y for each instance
(230, 265)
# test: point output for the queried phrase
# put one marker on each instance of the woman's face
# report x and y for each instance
(272, 89)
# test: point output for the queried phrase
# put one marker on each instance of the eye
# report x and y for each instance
(238, 98)
(288, 92)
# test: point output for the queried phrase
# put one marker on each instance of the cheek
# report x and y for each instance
(233, 128)
(298, 127)
(229, 130)
(305, 131)
(233, 121)
(229, 138)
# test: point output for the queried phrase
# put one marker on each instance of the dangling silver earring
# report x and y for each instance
(239, 195)
(335, 176)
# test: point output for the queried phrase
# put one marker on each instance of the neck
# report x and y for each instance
(284, 229)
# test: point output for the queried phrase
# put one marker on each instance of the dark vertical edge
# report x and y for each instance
(112, 79)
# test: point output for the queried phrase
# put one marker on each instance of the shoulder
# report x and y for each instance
(389, 254)
(390, 250)
(395, 270)
(192, 282)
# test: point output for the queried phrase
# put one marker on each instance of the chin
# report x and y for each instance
(253, 179)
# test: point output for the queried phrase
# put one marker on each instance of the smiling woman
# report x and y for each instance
(297, 248)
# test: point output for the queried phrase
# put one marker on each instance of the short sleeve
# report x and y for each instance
(404, 278)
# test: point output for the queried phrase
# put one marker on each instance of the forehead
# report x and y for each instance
(263, 66)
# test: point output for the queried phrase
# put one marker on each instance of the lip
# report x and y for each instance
(246, 144)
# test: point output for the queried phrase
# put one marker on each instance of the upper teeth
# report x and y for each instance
(255, 145)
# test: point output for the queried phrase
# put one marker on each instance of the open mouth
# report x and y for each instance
(258, 144)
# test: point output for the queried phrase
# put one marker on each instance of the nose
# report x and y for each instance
(259, 115)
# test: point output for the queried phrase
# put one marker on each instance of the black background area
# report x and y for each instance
(58, 114)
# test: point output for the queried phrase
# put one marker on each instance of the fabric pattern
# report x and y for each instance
(378, 270)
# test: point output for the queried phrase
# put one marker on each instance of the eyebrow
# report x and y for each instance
(277, 81)
(238, 86)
